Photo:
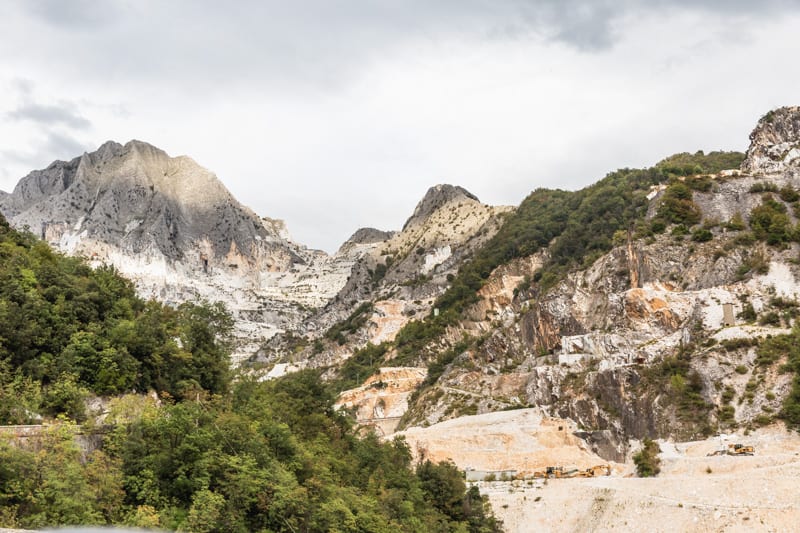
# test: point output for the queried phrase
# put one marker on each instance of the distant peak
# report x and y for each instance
(775, 142)
(436, 197)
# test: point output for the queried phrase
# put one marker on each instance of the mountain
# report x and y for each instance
(396, 280)
(655, 303)
(173, 227)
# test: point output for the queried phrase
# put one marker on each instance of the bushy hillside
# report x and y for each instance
(268, 457)
(208, 455)
(67, 330)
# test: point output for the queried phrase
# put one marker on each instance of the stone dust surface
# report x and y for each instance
(693, 492)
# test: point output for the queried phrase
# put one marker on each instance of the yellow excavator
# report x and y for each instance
(558, 472)
(735, 449)
(740, 449)
(595, 471)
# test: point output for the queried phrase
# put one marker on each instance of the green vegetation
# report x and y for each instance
(268, 457)
(682, 386)
(677, 206)
(647, 461)
(770, 222)
(613, 207)
(355, 321)
(686, 164)
(362, 364)
(772, 350)
(67, 330)
(380, 271)
(760, 186)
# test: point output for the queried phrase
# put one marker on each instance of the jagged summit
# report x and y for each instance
(137, 199)
(775, 143)
(436, 197)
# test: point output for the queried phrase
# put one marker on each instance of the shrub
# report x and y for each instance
(770, 222)
(702, 235)
(788, 194)
(647, 462)
(736, 223)
(677, 206)
(770, 319)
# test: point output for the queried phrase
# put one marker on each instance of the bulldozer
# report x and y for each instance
(740, 449)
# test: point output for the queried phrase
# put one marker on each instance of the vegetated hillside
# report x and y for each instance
(203, 454)
(67, 330)
(606, 305)
(398, 279)
(268, 457)
(569, 229)
(655, 303)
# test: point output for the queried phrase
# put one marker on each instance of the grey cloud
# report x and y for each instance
(75, 14)
(50, 115)
(318, 44)
(51, 145)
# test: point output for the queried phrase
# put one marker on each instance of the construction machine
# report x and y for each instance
(740, 449)
(556, 472)
(595, 471)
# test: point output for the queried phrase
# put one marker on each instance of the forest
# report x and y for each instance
(185, 445)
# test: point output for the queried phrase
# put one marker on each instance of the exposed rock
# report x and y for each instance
(401, 275)
(436, 197)
(775, 143)
(524, 440)
(383, 398)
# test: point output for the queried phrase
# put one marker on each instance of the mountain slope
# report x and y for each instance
(655, 303)
(172, 227)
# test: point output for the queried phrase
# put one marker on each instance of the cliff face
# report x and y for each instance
(775, 143)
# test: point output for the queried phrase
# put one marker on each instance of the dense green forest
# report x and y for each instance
(269, 456)
(67, 330)
(206, 452)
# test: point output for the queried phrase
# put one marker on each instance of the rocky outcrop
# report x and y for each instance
(436, 197)
(383, 398)
(775, 143)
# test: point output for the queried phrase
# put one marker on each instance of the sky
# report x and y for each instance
(334, 115)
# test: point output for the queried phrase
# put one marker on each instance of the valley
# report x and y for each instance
(659, 303)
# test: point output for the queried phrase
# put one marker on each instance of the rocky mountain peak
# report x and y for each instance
(436, 197)
(775, 143)
(136, 199)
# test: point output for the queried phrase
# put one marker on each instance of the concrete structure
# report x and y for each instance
(727, 315)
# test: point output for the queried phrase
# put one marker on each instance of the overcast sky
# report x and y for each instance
(334, 115)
